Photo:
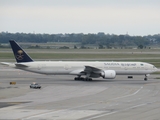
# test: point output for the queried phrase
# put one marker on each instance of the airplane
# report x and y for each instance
(106, 70)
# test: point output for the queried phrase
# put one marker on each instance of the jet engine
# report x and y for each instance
(108, 74)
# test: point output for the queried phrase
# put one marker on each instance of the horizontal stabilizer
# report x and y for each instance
(8, 64)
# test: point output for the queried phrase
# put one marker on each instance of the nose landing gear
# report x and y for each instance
(145, 79)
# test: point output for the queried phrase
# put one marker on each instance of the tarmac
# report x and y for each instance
(62, 98)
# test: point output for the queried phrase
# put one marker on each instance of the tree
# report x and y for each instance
(75, 47)
(101, 47)
(140, 47)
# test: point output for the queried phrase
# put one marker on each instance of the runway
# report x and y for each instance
(62, 98)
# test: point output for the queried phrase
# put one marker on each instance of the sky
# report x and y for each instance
(133, 17)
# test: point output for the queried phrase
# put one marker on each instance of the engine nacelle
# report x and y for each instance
(108, 74)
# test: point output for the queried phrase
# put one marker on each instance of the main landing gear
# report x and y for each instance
(83, 79)
(145, 78)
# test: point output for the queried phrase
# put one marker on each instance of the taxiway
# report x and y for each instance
(62, 98)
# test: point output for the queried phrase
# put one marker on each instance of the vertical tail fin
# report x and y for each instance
(19, 53)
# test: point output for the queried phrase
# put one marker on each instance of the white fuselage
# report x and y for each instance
(75, 67)
(106, 70)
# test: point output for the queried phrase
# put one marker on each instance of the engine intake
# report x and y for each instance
(108, 74)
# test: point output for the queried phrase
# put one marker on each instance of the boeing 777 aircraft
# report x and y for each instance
(106, 70)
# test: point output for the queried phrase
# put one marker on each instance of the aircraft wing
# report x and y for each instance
(90, 69)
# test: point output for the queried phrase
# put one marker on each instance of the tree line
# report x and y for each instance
(100, 39)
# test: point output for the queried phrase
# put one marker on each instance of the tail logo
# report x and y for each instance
(19, 55)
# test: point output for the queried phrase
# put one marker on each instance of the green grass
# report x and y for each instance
(150, 56)
(154, 57)
(156, 73)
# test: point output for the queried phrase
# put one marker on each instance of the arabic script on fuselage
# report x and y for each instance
(120, 64)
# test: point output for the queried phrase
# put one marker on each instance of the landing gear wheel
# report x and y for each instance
(145, 79)
(83, 79)
(78, 78)
(88, 79)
